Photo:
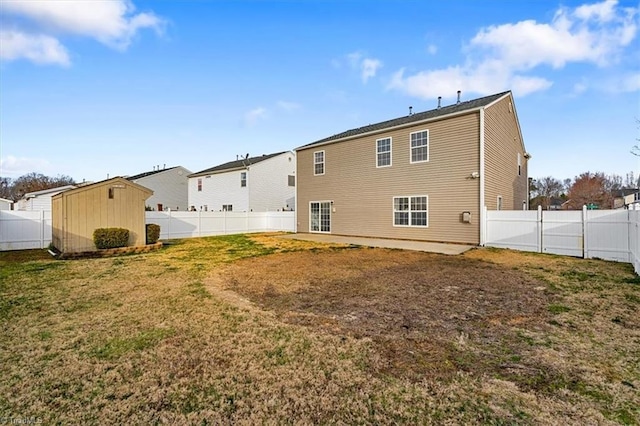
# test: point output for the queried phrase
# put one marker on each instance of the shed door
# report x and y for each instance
(320, 216)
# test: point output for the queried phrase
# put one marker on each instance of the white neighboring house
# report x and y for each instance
(40, 200)
(6, 204)
(169, 187)
(259, 184)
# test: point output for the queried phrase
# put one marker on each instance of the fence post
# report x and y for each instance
(585, 233)
(539, 228)
(199, 224)
(169, 226)
(41, 229)
(224, 222)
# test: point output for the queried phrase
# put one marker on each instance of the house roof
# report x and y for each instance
(55, 190)
(625, 191)
(151, 173)
(420, 116)
(235, 165)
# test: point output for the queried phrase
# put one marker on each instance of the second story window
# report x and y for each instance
(383, 152)
(199, 184)
(318, 163)
(243, 179)
(419, 146)
(291, 180)
(519, 165)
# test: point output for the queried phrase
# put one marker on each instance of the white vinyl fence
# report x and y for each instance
(21, 230)
(200, 224)
(604, 234)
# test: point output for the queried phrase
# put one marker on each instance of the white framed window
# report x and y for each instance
(318, 163)
(519, 164)
(383, 152)
(499, 203)
(243, 179)
(419, 146)
(411, 211)
(199, 184)
(291, 180)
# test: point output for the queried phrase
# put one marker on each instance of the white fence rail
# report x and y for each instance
(604, 234)
(20, 230)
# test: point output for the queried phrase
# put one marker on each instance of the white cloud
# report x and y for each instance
(369, 67)
(502, 57)
(288, 106)
(111, 22)
(252, 117)
(366, 67)
(432, 49)
(11, 166)
(40, 49)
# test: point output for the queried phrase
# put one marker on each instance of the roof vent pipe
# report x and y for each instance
(410, 110)
(439, 101)
(458, 96)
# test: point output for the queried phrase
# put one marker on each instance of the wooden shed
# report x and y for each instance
(111, 203)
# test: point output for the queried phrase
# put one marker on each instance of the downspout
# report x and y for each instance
(295, 205)
(481, 204)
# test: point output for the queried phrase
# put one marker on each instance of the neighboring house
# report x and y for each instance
(6, 204)
(169, 186)
(40, 200)
(111, 203)
(425, 176)
(554, 203)
(627, 198)
(264, 183)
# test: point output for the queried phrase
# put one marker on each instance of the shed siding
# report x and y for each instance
(170, 188)
(502, 145)
(77, 213)
(56, 222)
(362, 194)
(269, 189)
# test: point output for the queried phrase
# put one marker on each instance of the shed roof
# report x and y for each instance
(103, 182)
(419, 116)
(151, 173)
(235, 165)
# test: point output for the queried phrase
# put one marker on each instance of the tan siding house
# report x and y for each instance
(112, 203)
(420, 177)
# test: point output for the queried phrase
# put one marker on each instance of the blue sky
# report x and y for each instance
(96, 88)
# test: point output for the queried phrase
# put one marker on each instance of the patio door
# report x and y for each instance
(320, 216)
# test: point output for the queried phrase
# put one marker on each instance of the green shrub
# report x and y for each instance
(153, 233)
(105, 238)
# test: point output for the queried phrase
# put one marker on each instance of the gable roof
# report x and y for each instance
(55, 190)
(151, 173)
(103, 182)
(419, 116)
(235, 165)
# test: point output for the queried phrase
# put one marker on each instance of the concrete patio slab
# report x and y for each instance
(425, 246)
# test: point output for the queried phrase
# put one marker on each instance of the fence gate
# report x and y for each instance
(562, 233)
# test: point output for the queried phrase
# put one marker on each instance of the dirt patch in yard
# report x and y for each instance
(427, 314)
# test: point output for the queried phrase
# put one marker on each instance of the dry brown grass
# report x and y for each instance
(265, 330)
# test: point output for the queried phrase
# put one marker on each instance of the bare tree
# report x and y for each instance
(35, 182)
(544, 189)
